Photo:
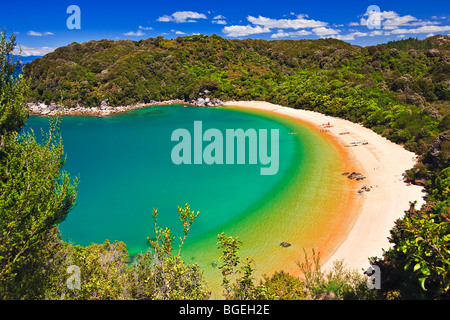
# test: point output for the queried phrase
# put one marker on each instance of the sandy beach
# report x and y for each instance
(382, 163)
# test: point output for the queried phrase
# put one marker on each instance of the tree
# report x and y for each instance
(158, 274)
(418, 264)
(12, 90)
(35, 196)
(242, 285)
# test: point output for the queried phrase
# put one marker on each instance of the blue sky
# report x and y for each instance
(41, 26)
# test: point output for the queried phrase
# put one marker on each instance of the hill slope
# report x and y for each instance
(400, 89)
(392, 88)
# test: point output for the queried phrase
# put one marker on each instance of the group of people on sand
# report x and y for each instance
(325, 125)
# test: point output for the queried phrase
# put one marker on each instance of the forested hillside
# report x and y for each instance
(400, 90)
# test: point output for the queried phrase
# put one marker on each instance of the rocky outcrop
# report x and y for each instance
(285, 244)
(356, 175)
(364, 189)
(436, 147)
(106, 110)
(206, 102)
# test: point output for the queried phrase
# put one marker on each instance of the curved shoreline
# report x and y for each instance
(371, 215)
(382, 163)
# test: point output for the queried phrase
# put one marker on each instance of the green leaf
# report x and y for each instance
(416, 267)
(425, 271)
(422, 283)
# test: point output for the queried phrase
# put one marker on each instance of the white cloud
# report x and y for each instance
(350, 36)
(134, 34)
(299, 23)
(240, 31)
(262, 24)
(322, 31)
(29, 51)
(165, 18)
(391, 20)
(182, 17)
(38, 34)
(424, 29)
(219, 22)
(376, 33)
(145, 28)
(391, 23)
(219, 17)
(179, 32)
(282, 34)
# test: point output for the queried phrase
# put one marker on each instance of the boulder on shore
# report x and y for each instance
(285, 244)
(356, 175)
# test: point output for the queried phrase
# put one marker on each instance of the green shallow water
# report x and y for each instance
(125, 169)
(307, 208)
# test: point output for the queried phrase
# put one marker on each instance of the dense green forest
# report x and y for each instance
(400, 89)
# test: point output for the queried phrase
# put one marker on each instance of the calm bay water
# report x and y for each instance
(125, 169)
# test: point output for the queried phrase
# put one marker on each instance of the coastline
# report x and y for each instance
(104, 110)
(383, 163)
(370, 215)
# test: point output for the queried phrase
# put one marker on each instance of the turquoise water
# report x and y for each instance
(125, 169)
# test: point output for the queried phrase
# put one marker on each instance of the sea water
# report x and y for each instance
(125, 169)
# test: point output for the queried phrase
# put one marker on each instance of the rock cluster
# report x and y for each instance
(354, 175)
(364, 188)
(206, 102)
(105, 109)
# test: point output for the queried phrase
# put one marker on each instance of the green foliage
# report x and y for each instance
(441, 189)
(13, 89)
(335, 284)
(283, 286)
(238, 279)
(35, 196)
(103, 274)
(158, 274)
(421, 253)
